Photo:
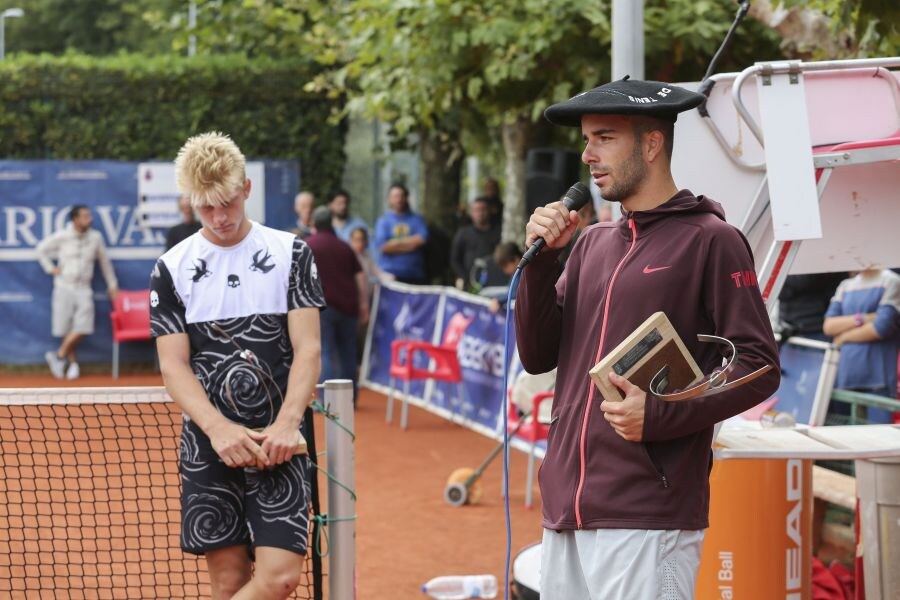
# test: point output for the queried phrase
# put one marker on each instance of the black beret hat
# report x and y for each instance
(625, 97)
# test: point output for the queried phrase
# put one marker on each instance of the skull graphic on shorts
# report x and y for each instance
(233, 281)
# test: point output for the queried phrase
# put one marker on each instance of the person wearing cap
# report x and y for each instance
(625, 485)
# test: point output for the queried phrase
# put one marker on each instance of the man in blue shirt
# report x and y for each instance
(400, 237)
(341, 221)
(864, 319)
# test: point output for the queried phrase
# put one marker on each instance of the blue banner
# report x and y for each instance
(402, 313)
(422, 313)
(35, 198)
(800, 370)
(480, 355)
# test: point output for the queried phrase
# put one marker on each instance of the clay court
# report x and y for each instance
(406, 533)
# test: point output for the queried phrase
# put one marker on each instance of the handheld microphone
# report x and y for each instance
(577, 196)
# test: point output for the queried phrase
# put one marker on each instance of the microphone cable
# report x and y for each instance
(510, 295)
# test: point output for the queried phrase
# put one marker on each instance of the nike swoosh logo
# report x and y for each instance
(648, 269)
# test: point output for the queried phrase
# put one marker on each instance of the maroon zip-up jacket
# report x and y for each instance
(681, 258)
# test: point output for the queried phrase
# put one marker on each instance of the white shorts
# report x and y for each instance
(620, 564)
(73, 311)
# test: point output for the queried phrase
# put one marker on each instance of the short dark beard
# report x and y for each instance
(629, 174)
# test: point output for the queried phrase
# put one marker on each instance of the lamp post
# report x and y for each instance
(192, 24)
(9, 12)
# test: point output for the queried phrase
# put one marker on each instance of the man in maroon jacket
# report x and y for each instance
(344, 284)
(625, 485)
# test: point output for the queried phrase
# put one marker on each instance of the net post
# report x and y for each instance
(341, 458)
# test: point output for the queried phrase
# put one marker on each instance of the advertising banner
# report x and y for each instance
(801, 367)
(35, 200)
(423, 313)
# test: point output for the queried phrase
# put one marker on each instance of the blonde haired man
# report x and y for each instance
(235, 312)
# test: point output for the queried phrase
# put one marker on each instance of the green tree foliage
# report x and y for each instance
(450, 74)
(271, 28)
(96, 27)
(132, 107)
(414, 64)
(874, 24)
(476, 66)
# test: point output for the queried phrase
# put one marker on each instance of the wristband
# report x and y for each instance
(858, 320)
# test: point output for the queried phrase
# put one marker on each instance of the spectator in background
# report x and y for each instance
(75, 249)
(491, 193)
(864, 320)
(359, 241)
(605, 212)
(400, 237)
(189, 224)
(341, 221)
(303, 206)
(802, 304)
(344, 283)
(437, 256)
(471, 242)
(503, 264)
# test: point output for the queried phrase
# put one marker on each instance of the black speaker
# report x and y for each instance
(549, 172)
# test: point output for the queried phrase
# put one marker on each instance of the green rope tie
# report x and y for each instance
(323, 521)
(317, 406)
(331, 478)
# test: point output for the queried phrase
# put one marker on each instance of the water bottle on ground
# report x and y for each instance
(777, 418)
(460, 587)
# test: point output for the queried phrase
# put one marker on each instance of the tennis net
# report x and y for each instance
(90, 497)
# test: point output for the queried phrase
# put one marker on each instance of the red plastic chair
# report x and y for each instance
(130, 320)
(532, 431)
(444, 364)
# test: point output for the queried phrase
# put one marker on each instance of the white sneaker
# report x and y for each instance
(73, 372)
(55, 363)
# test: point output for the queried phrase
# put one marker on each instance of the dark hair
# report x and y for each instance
(507, 252)
(400, 186)
(482, 199)
(365, 232)
(73, 212)
(335, 193)
(643, 124)
(321, 219)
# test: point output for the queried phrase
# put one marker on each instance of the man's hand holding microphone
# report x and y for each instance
(554, 225)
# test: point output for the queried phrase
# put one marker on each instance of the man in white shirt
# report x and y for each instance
(235, 313)
(75, 249)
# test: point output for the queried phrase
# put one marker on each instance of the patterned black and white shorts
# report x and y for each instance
(223, 506)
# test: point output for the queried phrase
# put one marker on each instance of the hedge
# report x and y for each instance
(134, 107)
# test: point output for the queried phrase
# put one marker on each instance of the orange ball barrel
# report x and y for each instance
(759, 542)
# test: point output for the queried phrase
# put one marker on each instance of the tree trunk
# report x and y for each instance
(515, 146)
(803, 30)
(442, 160)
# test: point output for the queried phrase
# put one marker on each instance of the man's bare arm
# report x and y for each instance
(362, 282)
(45, 248)
(228, 439)
(835, 326)
(281, 436)
(405, 244)
(862, 334)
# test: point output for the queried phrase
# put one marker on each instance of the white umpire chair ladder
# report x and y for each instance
(796, 176)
